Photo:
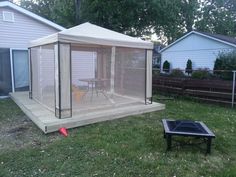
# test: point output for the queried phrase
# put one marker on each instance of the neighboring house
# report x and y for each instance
(17, 27)
(200, 47)
(156, 57)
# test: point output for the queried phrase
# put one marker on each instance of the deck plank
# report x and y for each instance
(47, 122)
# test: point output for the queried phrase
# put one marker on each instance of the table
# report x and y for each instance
(96, 85)
(186, 128)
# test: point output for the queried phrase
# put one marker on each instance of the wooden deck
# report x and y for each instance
(47, 122)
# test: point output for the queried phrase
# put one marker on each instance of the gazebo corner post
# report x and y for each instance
(112, 83)
(148, 76)
(57, 80)
(63, 98)
(30, 73)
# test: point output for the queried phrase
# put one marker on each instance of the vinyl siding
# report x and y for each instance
(17, 34)
(83, 66)
(201, 50)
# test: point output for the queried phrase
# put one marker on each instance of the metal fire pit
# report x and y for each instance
(187, 128)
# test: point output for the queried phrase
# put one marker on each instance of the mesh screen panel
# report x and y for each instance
(101, 76)
(43, 75)
(130, 72)
(91, 68)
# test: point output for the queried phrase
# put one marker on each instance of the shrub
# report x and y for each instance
(217, 66)
(166, 66)
(225, 61)
(155, 72)
(177, 73)
(189, 68)
(201, 74)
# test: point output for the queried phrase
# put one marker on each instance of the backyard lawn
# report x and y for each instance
(133, 146)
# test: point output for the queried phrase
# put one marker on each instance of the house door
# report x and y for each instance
(20, 70)
(5, 72)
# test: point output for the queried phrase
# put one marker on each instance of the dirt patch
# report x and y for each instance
(21, 132)
(17, 130)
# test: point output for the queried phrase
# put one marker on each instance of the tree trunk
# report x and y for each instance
(77, 10)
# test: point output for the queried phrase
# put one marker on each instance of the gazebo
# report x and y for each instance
(87, 74)
(88, 68)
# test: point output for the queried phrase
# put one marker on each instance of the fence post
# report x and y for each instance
(233, 89)
(183, 87)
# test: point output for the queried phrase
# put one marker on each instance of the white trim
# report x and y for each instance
(12, 67)
(200, 34)
(12, 73)
(28, 13)
(148, 61)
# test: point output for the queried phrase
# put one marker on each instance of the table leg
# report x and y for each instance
(208, 145)
(86, 92)
(92, 90)
(168, 140)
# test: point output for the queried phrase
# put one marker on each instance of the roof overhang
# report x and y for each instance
(30, 14)
(57, 37)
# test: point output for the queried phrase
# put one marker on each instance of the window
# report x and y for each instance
(8, 16)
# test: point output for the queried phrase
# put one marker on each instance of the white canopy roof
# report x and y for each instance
(88, 33)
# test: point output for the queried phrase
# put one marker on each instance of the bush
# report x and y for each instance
(225, 61)
(189, 68)
(201, 74)
(177, 73)
(166, 66)
(217, 66)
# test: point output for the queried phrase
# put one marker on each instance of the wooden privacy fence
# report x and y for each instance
(208, 90)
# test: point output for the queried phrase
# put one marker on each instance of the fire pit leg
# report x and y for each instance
(164, 134)
(208, 146)
(168, 140)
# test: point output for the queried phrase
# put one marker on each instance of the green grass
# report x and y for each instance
(133, 146)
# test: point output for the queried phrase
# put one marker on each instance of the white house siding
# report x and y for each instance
(17, 34)
(83, 66)
(200, 50)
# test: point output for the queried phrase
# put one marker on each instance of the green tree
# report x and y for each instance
(170, 18)
(218, 16)
(62, 12)
(189, 12)
(225, 61)
(218, 66)
(166, 66)
(189, 68)
(174, 17)
(132, 17)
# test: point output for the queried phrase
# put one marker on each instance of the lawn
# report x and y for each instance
(132, 146)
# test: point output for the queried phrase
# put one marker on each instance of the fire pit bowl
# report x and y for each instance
(187, 128)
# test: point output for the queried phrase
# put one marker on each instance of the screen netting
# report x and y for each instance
(130, 72)
(43, 90)
(100, 79)
(91, 69)
(100, 76)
